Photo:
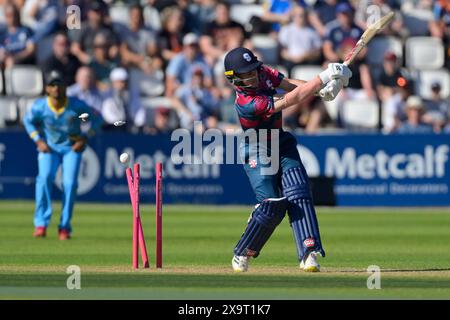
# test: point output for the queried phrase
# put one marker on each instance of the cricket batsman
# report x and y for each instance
(54, 125)
(259, 107)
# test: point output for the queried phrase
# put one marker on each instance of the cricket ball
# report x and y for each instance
(124, 158)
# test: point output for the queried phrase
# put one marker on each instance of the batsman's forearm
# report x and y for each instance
(299, 94)
(296, 83)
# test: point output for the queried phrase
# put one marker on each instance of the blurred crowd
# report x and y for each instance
(160, 65)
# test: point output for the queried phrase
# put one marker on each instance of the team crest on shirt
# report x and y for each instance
(269, 83)
(253, 163)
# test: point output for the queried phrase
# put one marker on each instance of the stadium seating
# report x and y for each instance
(360, 114)
(24, 81)
(305, 72)
(332, 109)
(119, 14)
(156, 102)
(423, 56)
(148, 84)
(416, 21)
(24, 104)
(267, 47)
(8, 111)
(379, 46)
(427, 77)
(242, 13)
(424, 53)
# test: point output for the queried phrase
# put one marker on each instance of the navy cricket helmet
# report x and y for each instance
(240, 60)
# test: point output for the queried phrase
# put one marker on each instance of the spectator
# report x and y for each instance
(194, 102)
(181, 67)
(203, 13)
(191, 22)
(151, 16)
(228, 116)
(440, 25)
(43, 16)
(162, 122)
(300, 43)
(365, 16)
(2, 10)
(438, 108)
(340, 40)
(387, 81)
(310, 117)
(123, 104)
(222, 34)
(160, 5)
(323, 12)
(171, 36)
(409, 5)
(275, 15)
(139, 46)
(18, 45)
(83, 44)
(394, 107)
(85, 89)
(82, 4)
(447, 127)
(100, 63)
(61, 59)
(414, 113)
(339, 30)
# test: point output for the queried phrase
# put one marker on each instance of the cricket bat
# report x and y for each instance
(371, 31)
(365, 38)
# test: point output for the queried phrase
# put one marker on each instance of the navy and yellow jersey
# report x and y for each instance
(59, 128)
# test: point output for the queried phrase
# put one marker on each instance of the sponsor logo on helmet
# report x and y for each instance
(247, 57)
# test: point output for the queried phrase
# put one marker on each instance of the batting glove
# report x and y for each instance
(331, 90)
(336, 71)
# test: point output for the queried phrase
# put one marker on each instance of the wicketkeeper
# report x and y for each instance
(54, 125)
(259, 107)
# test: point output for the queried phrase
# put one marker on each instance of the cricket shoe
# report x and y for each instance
(63, 234)
(240, 263)
(309, 262)
(40, 232)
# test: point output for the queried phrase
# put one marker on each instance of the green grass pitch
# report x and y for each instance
(411, 246)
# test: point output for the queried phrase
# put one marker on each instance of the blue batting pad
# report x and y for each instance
(263, 221)
(302, 215)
